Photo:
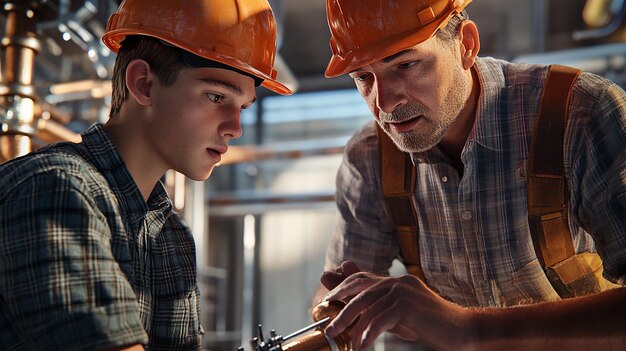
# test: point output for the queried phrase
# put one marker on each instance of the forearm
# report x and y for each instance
(595, 322)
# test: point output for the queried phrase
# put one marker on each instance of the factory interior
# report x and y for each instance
(262, 221)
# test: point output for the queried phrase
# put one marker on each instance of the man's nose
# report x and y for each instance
(231, 128)
(389, 96)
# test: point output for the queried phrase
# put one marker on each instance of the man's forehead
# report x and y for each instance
(392, 57)
(397, 55)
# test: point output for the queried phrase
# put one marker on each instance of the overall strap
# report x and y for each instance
(547, 192)
(547, 187)
(398, 182)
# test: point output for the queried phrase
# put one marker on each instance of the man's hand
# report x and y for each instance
(401, 305)
(330, 279)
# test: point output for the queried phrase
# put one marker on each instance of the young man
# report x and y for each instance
(467, 123)
(92, 256)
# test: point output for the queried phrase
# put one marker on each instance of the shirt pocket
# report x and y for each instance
(530, 285)
(176, 322)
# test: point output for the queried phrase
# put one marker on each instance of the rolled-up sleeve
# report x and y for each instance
(363, 232)
(600, 181)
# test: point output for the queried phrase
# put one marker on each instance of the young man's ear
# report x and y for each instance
(139, 81)
(470, 43)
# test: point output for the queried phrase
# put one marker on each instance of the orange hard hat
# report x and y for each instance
(365, 31)
(238, 33)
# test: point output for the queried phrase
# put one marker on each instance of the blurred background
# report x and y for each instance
(263, 219)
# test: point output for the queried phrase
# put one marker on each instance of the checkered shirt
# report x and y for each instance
(85, 262)
(475, 245)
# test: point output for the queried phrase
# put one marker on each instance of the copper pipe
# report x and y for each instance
(12, 145)
(17, 95)
(315, 341)
(251, 153)
(48, 111)
(51, 131)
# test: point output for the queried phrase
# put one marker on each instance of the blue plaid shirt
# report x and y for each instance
(85, 262)
(475, 244)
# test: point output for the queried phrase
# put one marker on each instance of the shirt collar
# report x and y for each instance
(486, 131)
(105, 156)
(492, 83)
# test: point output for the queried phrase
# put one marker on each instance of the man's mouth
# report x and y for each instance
(215, 154)
(404, 126)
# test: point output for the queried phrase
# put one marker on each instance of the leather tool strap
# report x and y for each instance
(547, 192)
(398, 182)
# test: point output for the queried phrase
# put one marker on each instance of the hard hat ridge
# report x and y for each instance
(238, 33)
(365, 31)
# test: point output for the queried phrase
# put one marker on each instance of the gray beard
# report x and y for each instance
(433, 125)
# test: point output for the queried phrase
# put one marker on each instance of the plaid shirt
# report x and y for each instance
(85, 262)
(475, 244)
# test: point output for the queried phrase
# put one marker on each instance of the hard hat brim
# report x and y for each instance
(340, 64)
(355, 59)
(114, 38)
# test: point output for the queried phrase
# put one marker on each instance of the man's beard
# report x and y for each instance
(433, 124)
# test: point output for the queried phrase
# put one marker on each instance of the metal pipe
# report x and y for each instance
(17, 95)
(316, 341)
(12, 145)
(49, 111)
(51, 131)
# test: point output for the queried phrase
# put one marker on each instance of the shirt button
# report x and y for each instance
(466, 215)
(444, 179)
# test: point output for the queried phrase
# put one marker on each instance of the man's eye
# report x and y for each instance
(407, 65)
(216, 98)
(361, 77)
